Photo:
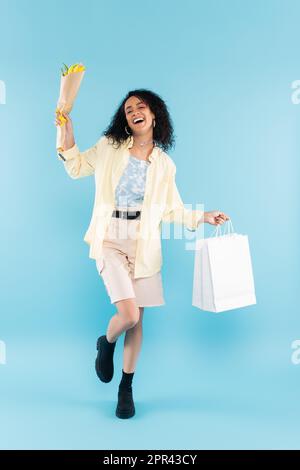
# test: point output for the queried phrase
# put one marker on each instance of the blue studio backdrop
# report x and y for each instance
(228, 71)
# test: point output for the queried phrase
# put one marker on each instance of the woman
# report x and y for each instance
(135, 192)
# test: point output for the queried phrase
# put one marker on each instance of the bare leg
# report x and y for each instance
(127, 317)
(132, 344)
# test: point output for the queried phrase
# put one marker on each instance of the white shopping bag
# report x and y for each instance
(223, 277)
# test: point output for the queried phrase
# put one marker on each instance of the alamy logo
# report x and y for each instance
(295, 358)
(2, 92)
(2, 352)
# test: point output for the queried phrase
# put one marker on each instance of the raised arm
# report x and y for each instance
(77, 164)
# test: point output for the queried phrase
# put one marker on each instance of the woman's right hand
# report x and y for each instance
(68, 125)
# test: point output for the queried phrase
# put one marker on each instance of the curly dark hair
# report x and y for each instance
(163, 132)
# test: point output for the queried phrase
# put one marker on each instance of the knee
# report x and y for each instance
(132, 317)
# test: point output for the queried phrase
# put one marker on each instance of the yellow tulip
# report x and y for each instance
(78, 68)
(72, 69)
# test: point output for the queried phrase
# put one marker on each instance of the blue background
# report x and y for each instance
(203, 381)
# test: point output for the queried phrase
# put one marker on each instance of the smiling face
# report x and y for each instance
(139, 116)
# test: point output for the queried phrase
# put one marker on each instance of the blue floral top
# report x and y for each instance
(131, 187)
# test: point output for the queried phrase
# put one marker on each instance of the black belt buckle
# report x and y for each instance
(135, 216)
(126, 214)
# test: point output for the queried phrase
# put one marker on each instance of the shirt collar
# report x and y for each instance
(155, 151)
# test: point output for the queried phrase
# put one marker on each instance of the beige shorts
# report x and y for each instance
(116, 266)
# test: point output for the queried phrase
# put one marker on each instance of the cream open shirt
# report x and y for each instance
(162, 201)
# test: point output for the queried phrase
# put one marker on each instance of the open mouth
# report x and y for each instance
(138, 121)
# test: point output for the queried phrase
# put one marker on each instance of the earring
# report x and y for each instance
(153, 122)
(127, 131)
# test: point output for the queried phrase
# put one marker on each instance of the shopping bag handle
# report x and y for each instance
(218, 232)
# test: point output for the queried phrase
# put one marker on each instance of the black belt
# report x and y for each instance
(126, 214)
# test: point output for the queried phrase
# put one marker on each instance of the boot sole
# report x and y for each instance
(124, 415)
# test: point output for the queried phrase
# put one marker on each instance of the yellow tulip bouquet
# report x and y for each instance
(69, 85)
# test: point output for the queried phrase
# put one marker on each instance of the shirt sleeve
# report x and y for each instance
(80, 164)
(175, 210)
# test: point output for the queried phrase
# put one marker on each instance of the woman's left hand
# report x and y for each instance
(215, 217)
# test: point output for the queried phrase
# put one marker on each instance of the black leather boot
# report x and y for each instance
(125, 407)
(104, 363)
